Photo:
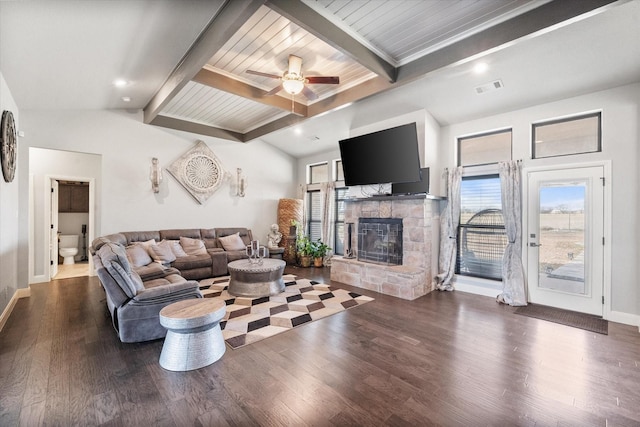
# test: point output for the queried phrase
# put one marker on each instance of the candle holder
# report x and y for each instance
(256, 253)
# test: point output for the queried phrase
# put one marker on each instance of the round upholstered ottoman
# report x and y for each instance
(256, 280)
(194, 339)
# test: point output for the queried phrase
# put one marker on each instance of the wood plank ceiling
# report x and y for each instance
(371, 45)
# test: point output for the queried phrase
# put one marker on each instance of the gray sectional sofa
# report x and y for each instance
(144, 271)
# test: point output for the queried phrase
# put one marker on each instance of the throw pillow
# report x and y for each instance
(138, 255)
(146, 245)
(162, 252)
(193, 246)
(176, 248)
(232, 242)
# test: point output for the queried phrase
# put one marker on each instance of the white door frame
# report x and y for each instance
(47, 226)
(606, 165)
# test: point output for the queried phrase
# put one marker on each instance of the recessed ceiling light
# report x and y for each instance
(126, 99)
(480, 67)
(120, 83)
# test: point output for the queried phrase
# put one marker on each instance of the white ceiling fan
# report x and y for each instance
(294, 82)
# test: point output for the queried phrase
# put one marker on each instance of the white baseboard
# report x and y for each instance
(625, 318)
(20, 293)
(477, 290)
(477, 286)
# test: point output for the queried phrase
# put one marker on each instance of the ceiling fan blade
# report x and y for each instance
(274, 90)
(295, 65)
(258, 73)
(327, 80)
(311, 95)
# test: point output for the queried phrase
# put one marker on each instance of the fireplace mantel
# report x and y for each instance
(395, 197)
(421, 222)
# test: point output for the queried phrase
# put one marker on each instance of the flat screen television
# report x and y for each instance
(418, 187)
(387, 156)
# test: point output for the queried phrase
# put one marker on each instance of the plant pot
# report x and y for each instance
(305, 261)
(317, 262)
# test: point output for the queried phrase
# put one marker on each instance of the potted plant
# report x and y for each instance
(319, 250)
(304, 247)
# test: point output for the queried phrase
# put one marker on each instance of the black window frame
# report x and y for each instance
(479, 229)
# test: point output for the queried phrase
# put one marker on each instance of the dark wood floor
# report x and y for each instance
(445, 359)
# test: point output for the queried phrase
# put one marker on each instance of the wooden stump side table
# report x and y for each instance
(194, 338)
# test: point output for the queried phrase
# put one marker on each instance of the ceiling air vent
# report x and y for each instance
(488, 87)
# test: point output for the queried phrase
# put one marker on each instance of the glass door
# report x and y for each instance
(565, 239)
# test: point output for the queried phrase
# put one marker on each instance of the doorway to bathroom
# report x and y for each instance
(70, 214)
(47, 169)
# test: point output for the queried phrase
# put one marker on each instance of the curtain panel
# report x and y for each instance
(449, 221)
(513, 282)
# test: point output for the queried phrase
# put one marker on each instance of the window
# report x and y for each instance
(481, 234)
(484, 149)
(562, 137)
(314, 215)
(338, 244)
(318, 173)
(339, 172)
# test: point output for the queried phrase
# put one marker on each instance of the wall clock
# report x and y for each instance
(8, 141)
(199, 171)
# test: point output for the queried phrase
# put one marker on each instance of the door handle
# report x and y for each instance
(534, 245)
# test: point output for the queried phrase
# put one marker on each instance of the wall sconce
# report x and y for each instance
(241, 183)
(155, 175)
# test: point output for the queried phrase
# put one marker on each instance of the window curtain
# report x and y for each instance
(328, 197)
(302, 194)
(513, 283)
(449, 221)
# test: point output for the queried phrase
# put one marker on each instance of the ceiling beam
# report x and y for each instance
(273, 126)
(221, 82)
(528, 24)
(229, 19)
(197, 128)
(319, 26)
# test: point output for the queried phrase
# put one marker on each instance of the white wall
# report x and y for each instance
(126, 146)
(9, 214)
(620, 144)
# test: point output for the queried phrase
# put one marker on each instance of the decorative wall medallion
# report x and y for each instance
(199, 171)
(8, 141)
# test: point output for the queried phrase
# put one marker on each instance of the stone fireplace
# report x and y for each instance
(417, 222)
(380, 240)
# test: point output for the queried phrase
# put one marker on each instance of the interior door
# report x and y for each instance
(53, 239)
(566, 238)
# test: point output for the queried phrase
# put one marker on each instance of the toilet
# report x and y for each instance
(68, 248)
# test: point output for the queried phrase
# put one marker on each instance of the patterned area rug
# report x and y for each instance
(587, 322)
(249, 320)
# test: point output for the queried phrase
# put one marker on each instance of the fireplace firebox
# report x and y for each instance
(380, 240)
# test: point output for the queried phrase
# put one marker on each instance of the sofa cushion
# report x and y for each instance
(138, 255)
(162, 252)
(150, 271)
(233, 242)
(193, 246)
(192, 261)
(175, 234)
(113, 252)
(131, 283)
(140, 236)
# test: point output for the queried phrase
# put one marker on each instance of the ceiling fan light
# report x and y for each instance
(293, 87)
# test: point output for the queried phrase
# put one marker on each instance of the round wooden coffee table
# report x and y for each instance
(256, 280)
(194, 338)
